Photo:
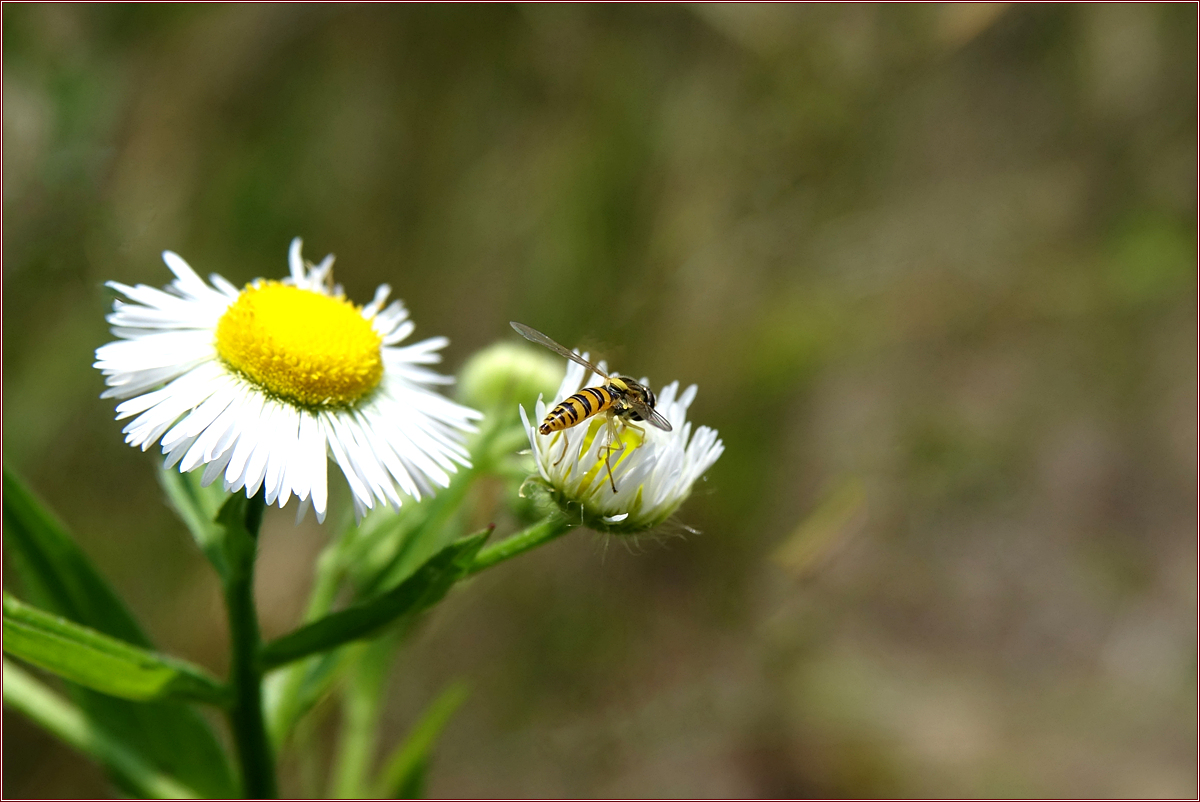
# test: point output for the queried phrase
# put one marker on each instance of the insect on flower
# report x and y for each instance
(620, 399)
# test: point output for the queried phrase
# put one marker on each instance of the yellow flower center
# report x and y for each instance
(629, 436)
(310, 349)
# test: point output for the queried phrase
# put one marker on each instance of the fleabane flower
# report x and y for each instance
(262, 385)
(653, 474)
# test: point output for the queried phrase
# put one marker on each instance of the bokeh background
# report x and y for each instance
(933, 268)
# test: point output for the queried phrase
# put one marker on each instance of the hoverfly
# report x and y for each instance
(620, 397)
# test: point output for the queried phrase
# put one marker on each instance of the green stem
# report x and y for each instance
(245, 675)
(531, 538)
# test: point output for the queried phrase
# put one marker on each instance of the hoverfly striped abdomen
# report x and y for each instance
(584, 404)
(621, 399)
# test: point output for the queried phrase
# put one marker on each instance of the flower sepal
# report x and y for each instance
(626, 523)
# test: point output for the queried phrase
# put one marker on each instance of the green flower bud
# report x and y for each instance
(506, 374)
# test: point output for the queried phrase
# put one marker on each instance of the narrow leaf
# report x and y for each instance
(69, 724)
(290, 694)
(427, 585)
(93, 660)
(57, 573)
(362, 704)
(60, 578)
(403, 775)
(417, 541)
(413, 783)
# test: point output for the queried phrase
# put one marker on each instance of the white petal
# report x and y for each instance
(381, 293)
(177, 392)
(295, 262)
(358, 485)
(243, 446)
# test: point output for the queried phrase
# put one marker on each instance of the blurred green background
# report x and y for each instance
(933, 268)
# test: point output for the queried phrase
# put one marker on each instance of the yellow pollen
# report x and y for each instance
(310, 349)
(629, 436)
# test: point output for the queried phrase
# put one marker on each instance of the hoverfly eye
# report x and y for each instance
(650, 400)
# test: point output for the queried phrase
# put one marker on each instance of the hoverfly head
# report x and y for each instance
(639, 394)
(647, 396)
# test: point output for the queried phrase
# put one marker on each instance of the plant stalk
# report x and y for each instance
(245, 676)
(536, 535)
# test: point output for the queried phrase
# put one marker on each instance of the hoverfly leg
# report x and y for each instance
(608, 466)
(608, 449)
(641, 433)
(566, 440)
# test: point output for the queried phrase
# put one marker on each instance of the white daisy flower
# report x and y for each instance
(653, 475)
(260, 386)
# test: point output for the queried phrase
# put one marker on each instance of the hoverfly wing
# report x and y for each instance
(535, 336)
(651, 416)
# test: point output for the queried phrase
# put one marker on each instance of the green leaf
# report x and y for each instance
(362, 705)
(288, 695)
(413, 784)
(197, 507)
(391, 545)
(403, 776)
(57, 574)
(93, 660)
(427, 585)
(69, 724)
(59, 577)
